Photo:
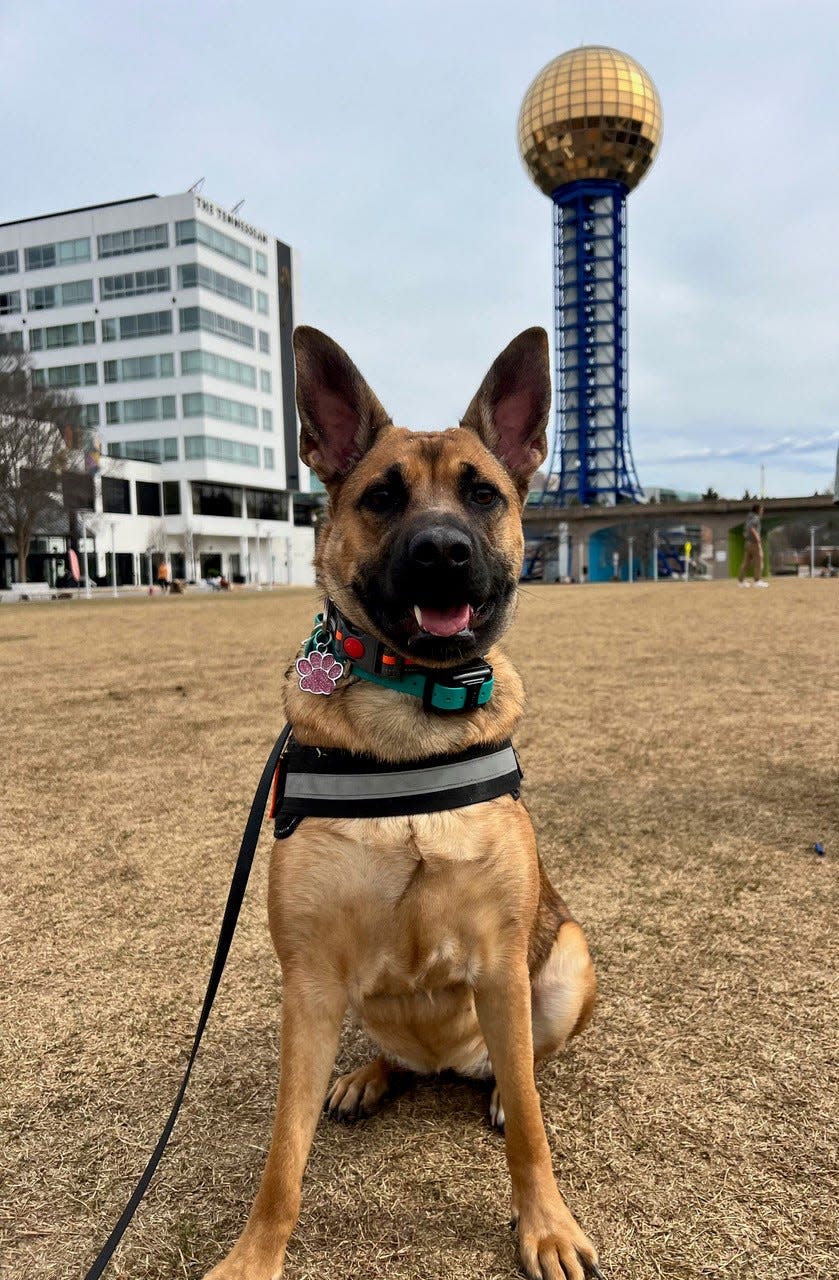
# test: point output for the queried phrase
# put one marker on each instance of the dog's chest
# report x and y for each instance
(413, 905)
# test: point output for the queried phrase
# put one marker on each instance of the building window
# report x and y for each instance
(264, 343)
(133, 283)
(198, 404)
(62, 335)
(262, 302)
(266, 504)
(116, 496)
(9, 262)
(261, 263)
(221, 450)
(148, 498)
(192, 230)
(267, 420)
(133, 368)
(137, 240)
(89, 415)
(193, 274)
(268, 459)
(11, 341)
(171, 498)
(218, 367)
(147, 325)
(9, 303)
(70, 294)
(264, 380)
(165, 450)
(66, 375)
(61, 254)
(216, 499)
(194, 318)
(148, 409)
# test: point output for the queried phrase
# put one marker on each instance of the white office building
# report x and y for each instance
(171, 319)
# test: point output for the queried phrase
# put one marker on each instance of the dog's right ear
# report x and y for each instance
(340, 416)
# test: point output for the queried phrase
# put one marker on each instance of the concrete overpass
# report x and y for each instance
(718, 517)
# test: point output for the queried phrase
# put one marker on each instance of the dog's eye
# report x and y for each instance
(483, 495)
(380, 500)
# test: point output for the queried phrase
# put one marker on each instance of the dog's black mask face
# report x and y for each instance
(423, 544)
(441, 582)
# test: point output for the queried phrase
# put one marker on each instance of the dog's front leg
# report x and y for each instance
(551, 1244)
(313, 1010)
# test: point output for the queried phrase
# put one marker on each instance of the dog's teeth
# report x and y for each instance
(418, 614)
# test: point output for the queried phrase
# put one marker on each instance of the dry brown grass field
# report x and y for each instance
(680, 748)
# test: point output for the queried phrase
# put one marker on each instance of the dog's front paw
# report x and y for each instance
(246, 1262)
(551, 1244)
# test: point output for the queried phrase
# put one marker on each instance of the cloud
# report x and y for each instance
(774, 448)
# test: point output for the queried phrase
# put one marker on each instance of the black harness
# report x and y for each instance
(316, 783)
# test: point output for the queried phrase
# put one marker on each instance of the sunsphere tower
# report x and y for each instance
(589, 130)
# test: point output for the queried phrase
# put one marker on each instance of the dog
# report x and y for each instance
(440, 931)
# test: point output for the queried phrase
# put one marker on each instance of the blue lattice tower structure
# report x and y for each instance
(589, 129)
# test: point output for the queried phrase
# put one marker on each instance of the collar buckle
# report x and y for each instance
(470, 679)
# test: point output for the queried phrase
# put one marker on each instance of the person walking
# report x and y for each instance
(163, 577)
(753, 549)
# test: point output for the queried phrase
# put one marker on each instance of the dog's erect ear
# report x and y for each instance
(510, 411)
(339, 414)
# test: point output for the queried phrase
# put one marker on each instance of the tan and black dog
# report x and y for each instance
(440, 931)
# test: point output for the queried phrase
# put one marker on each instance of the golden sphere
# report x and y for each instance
(591, 113)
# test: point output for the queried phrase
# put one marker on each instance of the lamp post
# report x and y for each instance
(114, 591)
(631, 558)
(655, 555)
(258, 560)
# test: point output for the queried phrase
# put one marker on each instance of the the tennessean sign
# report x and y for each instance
(207, 206)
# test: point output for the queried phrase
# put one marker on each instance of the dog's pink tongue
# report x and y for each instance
(444, 622)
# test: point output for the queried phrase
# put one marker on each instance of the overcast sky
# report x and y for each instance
(379, 138)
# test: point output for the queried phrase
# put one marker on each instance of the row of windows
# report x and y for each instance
(146, 409)
(70, 294)
(135, 240)
(193, 274)
(62, 335)
(192, 230)
(134, 368)
(65, 375)
(133, 283)
(116, 493)
(165, 450)
(218, 367)
(196, 404)
(199, 447)
(62, 253)
(217, 450)
(147, 325)
(226, 500)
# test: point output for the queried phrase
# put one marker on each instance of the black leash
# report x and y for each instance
(235, 896)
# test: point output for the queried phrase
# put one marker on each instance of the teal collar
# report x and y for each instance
(461, 688)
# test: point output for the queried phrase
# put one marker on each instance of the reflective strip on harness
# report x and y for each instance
(338, 784)
(408, 782)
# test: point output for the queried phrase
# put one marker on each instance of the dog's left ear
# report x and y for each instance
(510, 412)
(339, 415)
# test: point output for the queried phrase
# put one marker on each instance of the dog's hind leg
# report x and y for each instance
(355, 1095)
(562, 996)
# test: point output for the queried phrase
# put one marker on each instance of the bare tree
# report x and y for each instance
(40, 449)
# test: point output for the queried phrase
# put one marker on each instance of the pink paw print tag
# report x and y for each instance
(319, 673)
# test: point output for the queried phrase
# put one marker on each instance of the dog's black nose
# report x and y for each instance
(440, 547)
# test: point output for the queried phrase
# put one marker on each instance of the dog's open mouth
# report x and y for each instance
(455, 622)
